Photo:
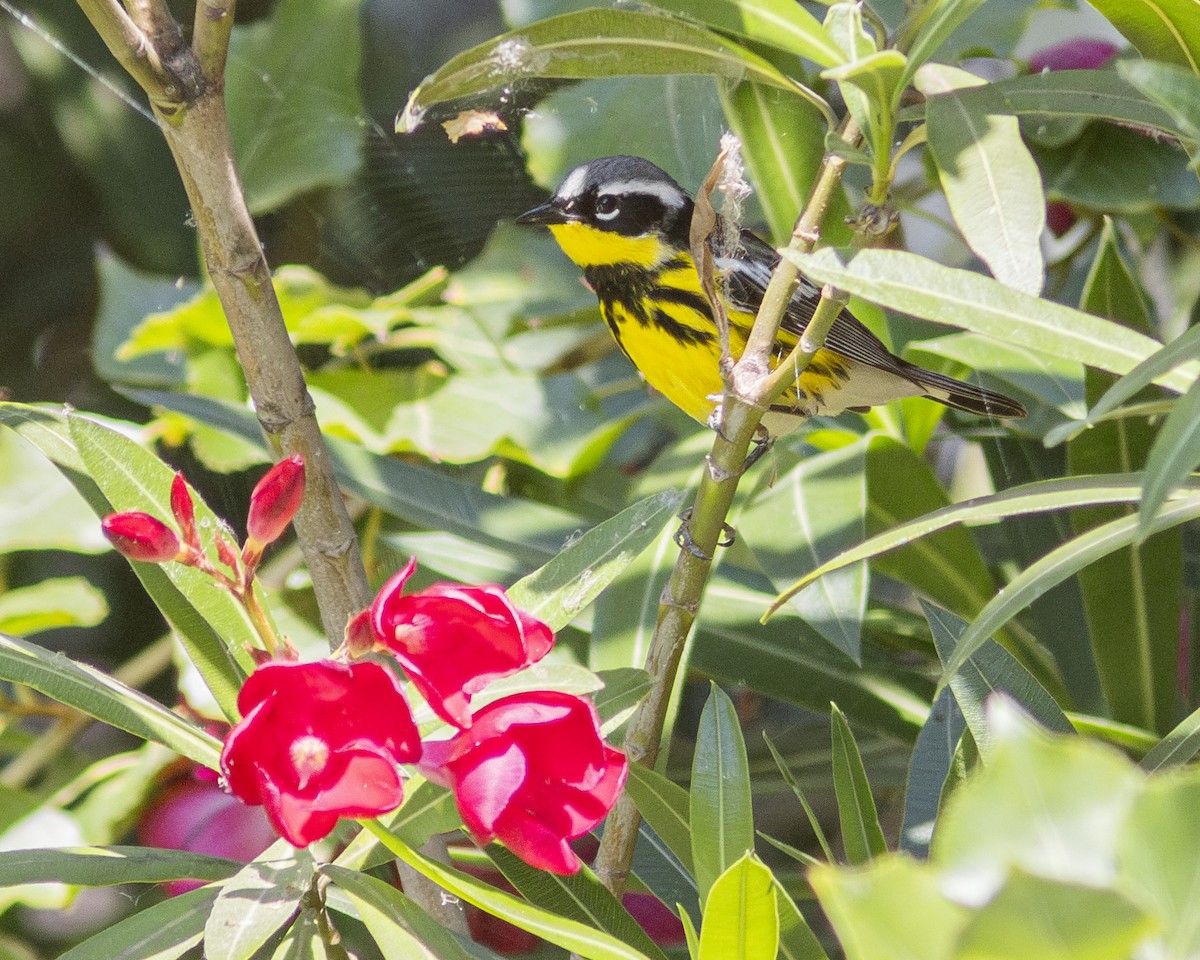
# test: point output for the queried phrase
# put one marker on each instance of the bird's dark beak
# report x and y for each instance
(547, 214)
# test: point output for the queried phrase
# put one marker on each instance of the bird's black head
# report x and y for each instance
(623, 195)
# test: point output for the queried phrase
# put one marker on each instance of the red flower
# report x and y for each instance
(533, 772)
(184, 510)
(275, 500)
(140, 536)
(319, 741)
(453, 640)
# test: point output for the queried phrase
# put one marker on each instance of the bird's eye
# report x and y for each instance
(606, 206)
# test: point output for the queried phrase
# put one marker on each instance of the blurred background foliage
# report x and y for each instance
(486, 419)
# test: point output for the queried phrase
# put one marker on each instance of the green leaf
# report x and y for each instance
(1033, 918)
(99, 695)
(720, 814)
(304, 940)
(664, 805)
(862, 836)
(991, 669)
(783, 145)
(776, 23)
(132, 478)
(38, 508)
(796, 939)
(1059, 564)
(624, 689)
(1131, 596)
(560, 590)
(933, 28)
(814, 822)
(1037, 497)
(928, 769)
(589, 43)
(918, 286)
(588, 943)
(400, 928)
(1155, 869)
(893, 909)
(1078, 94)
(662, 873)
(428, 809)
(1177, 747)
(1181, 350)
(58, 602)
(990, 180)
(1173, 88)
(294, 108)
(580, 897)
(1159, 29)
(163, 931)
(1174, 456)
(1052, 806)
(809, 514)
(258, 901)
(106, 866)
(421, 495)
(741, 917)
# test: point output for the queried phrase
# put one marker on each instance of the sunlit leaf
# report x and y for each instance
(253, 905)
(589, 43)
(162, 931)
(58, 602)
(1159, 29)
(741, 918)
(862, 836)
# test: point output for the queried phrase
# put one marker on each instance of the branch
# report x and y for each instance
(127, 42)
(742, 408)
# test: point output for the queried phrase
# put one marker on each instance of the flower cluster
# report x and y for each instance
(324, 740)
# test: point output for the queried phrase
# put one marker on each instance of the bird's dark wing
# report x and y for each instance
(747, 279)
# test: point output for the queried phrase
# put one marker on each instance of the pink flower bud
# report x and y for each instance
(275, 500)
(140, 536)
(184, 510)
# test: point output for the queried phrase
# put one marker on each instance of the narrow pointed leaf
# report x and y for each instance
(778, 23)
(581, 897)
(918, 286)
(796, 938)
(1181, 350)
(862, 836)
(161, 932)
(720, 815)
(807, 515)
(927, 771)
(559, 591)
(1175, 89)
(990, 180)
(394, 921)
(741, 917)
(1070, 94)
(990, 670)
(588, 943)
(1174, 456)
(587, 44)
(105, 866)
(1059, 564)
(1037, 497)
(263, 897)
(1131, 596)
(935, 30)
(1159, 29)
(1177, 747)
(665, 806)
(98, 695)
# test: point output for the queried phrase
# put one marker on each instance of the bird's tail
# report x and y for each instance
(964, 396)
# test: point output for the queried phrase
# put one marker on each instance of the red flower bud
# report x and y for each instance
(534, 773)
(275, 500)
(184, 510)
(140, 536)
(318, 741)
(453, 640)
(1059, 217)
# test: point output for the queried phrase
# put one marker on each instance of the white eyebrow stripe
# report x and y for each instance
(671, 196)
(573, 185)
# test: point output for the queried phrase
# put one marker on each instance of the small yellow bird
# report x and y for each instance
(626, 223)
